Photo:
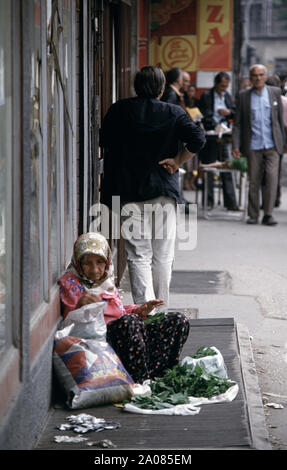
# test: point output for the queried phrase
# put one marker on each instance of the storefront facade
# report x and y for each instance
(62, 63)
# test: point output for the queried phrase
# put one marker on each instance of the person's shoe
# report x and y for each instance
(268, 220)
(277, 203)
(233, 208)
(252, 221)
(186, 207)
(199, 183)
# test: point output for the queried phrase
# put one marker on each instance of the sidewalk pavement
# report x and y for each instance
(245, 268)
(252, 259)
(235, 271)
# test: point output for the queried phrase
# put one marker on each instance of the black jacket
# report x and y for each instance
(206, 106)
(136, 134)
(170, 96)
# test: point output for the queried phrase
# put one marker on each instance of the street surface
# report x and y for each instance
(255, 257)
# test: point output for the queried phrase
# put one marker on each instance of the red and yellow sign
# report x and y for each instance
(214, 35)
(174, 51)
(161, 12)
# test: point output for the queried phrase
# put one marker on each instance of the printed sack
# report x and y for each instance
(90, 372)
(88, 322)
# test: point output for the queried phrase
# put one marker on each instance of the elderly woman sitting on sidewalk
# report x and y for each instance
(146, 349)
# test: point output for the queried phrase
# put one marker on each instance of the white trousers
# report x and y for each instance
(149, 230)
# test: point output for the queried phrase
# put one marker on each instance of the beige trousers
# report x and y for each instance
(149, 231)
(267, 159)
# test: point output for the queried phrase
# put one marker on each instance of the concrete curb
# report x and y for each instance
(255, 409)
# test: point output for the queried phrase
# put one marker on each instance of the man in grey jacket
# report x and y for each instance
(258, 133)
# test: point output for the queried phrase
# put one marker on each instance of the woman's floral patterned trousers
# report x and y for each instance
(146, 350)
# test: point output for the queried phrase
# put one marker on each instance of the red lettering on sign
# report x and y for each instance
(215, 11)
(214, 37)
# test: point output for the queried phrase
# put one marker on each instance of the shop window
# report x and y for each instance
(52, 203)
(281, 66)
(36, 142)
(279, 18)
(256, 21)
(54, 130)
(68, 75)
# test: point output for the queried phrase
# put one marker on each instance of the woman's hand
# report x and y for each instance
(147, 307)
(88, 299)
(170, 165)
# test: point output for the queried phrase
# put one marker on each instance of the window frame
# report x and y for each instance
(13, 243)
(11, 373)
(45, 317)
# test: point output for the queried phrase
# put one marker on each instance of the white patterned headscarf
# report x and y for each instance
(93, 243)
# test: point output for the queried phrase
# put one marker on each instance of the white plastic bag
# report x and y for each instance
(63, 332)
(88, 322)
(183, 410)
(214, 364)
(225, 397)
(192, 408)
(141, 389)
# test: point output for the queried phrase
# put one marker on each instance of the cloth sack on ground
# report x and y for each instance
(214, 364)
(88, 321)
(89, 371)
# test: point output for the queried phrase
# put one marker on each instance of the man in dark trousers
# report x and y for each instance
(258, 133)
(217, 107)
(142, 138)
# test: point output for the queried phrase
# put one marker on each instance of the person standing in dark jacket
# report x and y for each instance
(173, 90)
(141, 139)
(177, 82)
(217, 107)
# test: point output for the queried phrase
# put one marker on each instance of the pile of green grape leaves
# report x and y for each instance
(181, 382)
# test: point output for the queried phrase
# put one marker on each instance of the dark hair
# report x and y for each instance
(273, 80)
(218, 77)
(149, 82)
(172, 75)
